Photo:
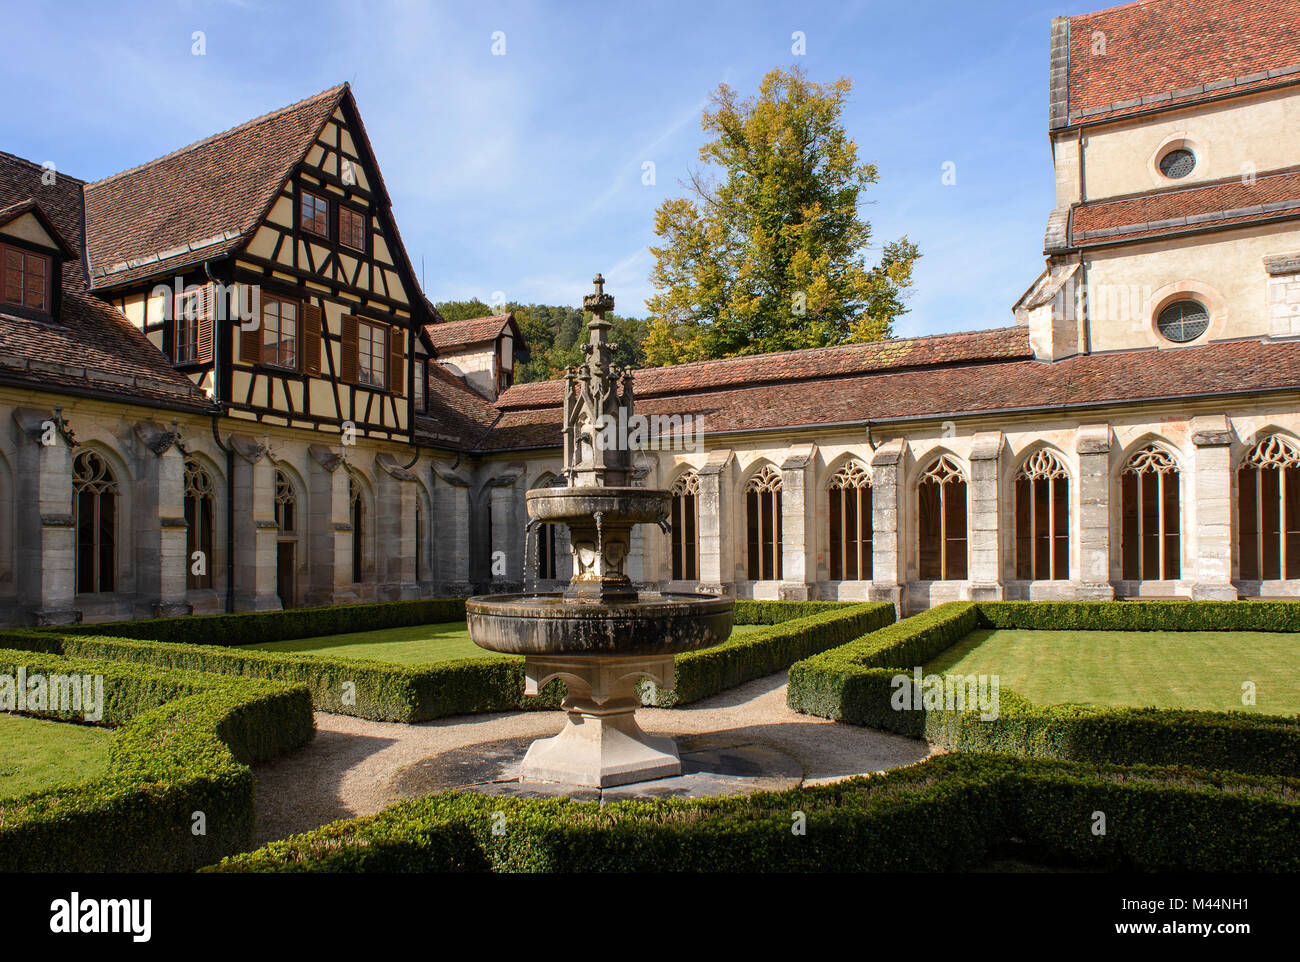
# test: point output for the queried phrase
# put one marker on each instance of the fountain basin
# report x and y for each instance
(550, 624)
(634, 505)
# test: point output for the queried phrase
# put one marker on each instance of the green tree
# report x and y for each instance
(768, 253)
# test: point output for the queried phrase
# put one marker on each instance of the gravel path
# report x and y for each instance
(352, 765)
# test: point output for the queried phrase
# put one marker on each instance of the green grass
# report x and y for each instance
(1136, 669)
(414, 645)
(36, 754)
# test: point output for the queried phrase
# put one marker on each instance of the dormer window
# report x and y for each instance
(314, 214)
(26, 280)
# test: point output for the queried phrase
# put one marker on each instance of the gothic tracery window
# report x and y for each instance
(763, 524)
(1268, 511)
(357, 514)
(200, 501)
(1043, 518)
(94, 515)
(849, 496)
(1151, 518)
(941, 522)
(685, 522)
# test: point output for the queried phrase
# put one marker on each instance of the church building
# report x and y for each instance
(224, 389)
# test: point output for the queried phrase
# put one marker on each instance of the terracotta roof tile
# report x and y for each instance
(1174, 52)
(1223, 204)
(199, 202)
(816, 363)
(448, 335)
(1013, 384)
(92, 347)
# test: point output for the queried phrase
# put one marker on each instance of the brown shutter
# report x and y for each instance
(350, 347)
(396, 352)
(311, 326)
(207, 320)
(250, 342)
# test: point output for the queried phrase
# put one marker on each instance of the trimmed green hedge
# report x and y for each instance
(804, 629)
(183, 744)
(950, 813)
(263, 627)
(384, 691)
(853, 684)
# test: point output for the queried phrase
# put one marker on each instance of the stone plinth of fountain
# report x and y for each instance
(602, 635)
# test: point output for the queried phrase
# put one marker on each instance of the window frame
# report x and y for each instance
(310, 228)
(364, 218)
(364, 378)
(47, 293)
(267, 299)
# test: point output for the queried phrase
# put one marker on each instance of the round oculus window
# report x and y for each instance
(1183, 321)
(1177, 163)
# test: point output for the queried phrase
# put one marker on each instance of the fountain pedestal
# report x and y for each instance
(601, 744)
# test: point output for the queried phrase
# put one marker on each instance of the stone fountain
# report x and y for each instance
(601, 635)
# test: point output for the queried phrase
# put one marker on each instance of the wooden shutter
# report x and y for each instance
(350, 347)
(396, 352)
(311, 328)
(206, 323)
(250, 342)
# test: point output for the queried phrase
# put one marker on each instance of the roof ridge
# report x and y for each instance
(337, 90)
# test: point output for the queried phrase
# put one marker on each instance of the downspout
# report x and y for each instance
(229, 452)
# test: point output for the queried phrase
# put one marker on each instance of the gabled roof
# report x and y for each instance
(30, 206)
(1170, 53)
(91, 348)
(1226, 203)
(793, 366)
(944, 390)
(200, 202)
(451, 335)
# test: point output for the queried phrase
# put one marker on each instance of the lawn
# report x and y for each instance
(36, 754)
(415, 645)
(1185, 669)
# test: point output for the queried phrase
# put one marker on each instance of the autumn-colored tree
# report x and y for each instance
(768, 253)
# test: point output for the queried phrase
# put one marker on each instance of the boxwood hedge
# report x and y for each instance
(950, 813)
(854, 683)
(384, 691)
(182, 745)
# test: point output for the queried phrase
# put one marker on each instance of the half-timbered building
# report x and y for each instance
(226, 389)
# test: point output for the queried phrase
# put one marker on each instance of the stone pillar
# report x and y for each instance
(888, 511)
(453, 511)
(330, 526)
(798, 524)
(161, 559)
(394, 530)
(507, 550)
(1210, 488)
(984, 575)
(1092, 573)
(256, 535)
(1283, 293)
(717, 561)
(46, 540)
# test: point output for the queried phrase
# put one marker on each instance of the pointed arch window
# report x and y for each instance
(1151, 517)
(286, 557)
(941, 522)
(763, 524)
(94, 515)
(685, 521)
(1268, 511)
(1043, 519)
(200, 502)
(286, 505)
(849, 496)
(357, 514)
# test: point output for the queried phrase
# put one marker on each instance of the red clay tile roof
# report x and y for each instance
(456, 416)
(92, 348)
(954, 390)
(1161, 53)
(197, 203)
(793, 366)
(1223, 204)
(449, 335)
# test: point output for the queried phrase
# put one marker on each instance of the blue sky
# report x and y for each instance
(522, 173)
